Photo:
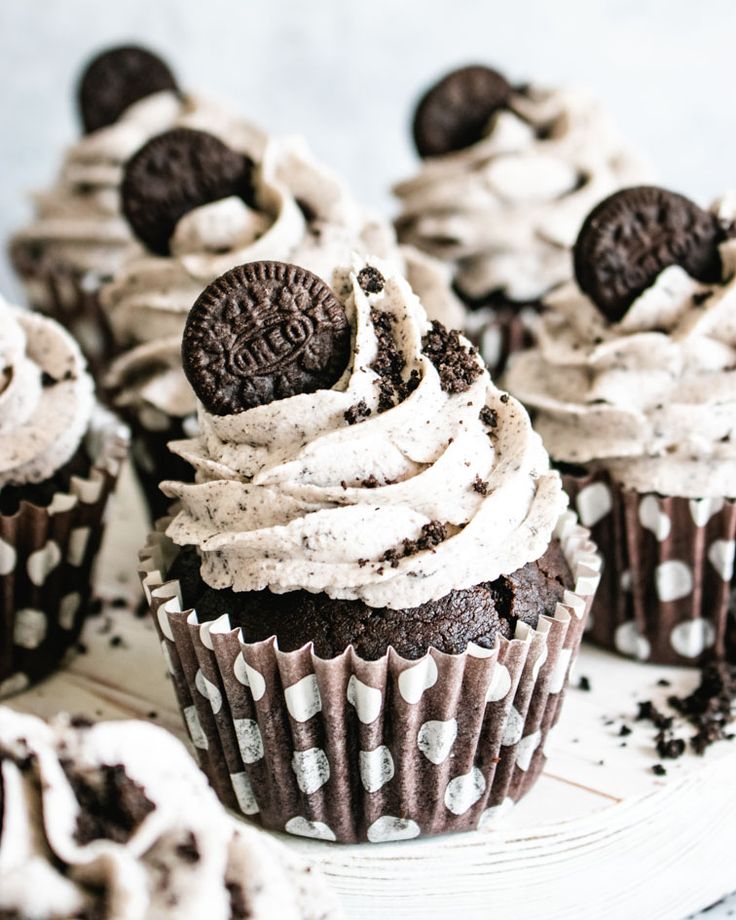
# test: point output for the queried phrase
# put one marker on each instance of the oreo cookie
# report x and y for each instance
(174, 173)
(454, 113)
(117, 78)
(261, 332)
(633, 235)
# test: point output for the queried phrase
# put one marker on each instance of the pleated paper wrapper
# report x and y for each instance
(667, 584)
(46, 560)
(350, 750)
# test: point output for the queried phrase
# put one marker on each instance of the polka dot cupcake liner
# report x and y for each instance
(500, 332)
(46, 560)
(348, 750)
(667, 586)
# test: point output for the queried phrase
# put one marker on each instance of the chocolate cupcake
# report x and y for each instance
(78, 238)
(59, 460)
(217, 207)
(633, 390)
(370, 598)
(93, 826)
(508, 173)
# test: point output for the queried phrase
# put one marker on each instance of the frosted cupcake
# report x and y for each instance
(633, 390)
(217, 207)
(382, 589)
(92, 825)
(507, 176)
(59, 460)
(78, 238)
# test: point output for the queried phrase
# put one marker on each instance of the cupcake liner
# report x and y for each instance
(46, 559)
(666, 593)
(499, 332)
(351, 750)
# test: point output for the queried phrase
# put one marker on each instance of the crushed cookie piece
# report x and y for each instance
(488, 416)
(659, 770)
(357, 413)
(432, 535)
(371, 280)
(457, 364)
(480, 486)
(389, 364)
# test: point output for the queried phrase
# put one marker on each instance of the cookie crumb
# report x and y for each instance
(371, 280)
(480, 486)
(456, 364)
(357, 413)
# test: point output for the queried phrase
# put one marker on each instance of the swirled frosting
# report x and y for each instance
(290, 495)
(93, 824)
(77, 223)
(651, 398)
(303, 214)
(507, 210)
(46, 397)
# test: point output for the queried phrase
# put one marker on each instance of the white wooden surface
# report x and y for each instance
(600, 835)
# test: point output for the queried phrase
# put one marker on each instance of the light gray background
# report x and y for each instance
(345, 73)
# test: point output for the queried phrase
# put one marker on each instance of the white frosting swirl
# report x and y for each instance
(651, 398)
(283, 497)
(191, 857)
(46, 397)
(149, 301)
(507, 210)
(78, 223)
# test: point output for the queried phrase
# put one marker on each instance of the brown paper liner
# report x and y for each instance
(46, 560)
(668, 565)
(350, 750)
(500, 331)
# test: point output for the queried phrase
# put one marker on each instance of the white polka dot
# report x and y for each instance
(376, 768)
(8, 557)
(208, 690)
(30, 628)
(540, 662)
(367, 700)
(249, 677)
(594, 502)
(436, 738)
(68, 609)
(559, 672)
(303, 699)
(673, 579)
(244, 793)
(78, 540)
(388, 828)
(625, 581)
(513, 729)
(692, 637)
(249, 738)
(464, 791)
(703, 509)
(653, 518)
(194, 727)
(43, 562)
(500, 684)
(495, 813)
(526, 748)
(301, 827)
(629, 641)
(721, 557)
(312, 769)
(415, 680)
(16, 683)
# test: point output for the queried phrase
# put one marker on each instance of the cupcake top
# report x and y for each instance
(634, 371)
(46, 397)
(126, 95)
(93, 825)
(351, 447)
(508, 174)
(288, 207)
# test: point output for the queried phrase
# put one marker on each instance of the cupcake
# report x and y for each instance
(92, 826)
(59, 459)
(507, 176)
(633, 390)
(217, 207)
(370, 597)
(78, 237)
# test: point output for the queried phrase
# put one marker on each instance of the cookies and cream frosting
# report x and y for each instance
(77, 222)
(506, 210)
(303, 214)
(651, 398)
(46, 397)
(115, 820)
(290, 495)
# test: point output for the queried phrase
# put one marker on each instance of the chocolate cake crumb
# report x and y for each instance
(584, 684)
(189, 851)
(371, 280)
(648, 712)
(624, 731)
(488, 416)
(111, 807)
(357, 413)
(659, 770)
(432, 535)
(389, 364)
(710, 707)
(371, 482)
(480, 486)
(669, 747)
(457, 364)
